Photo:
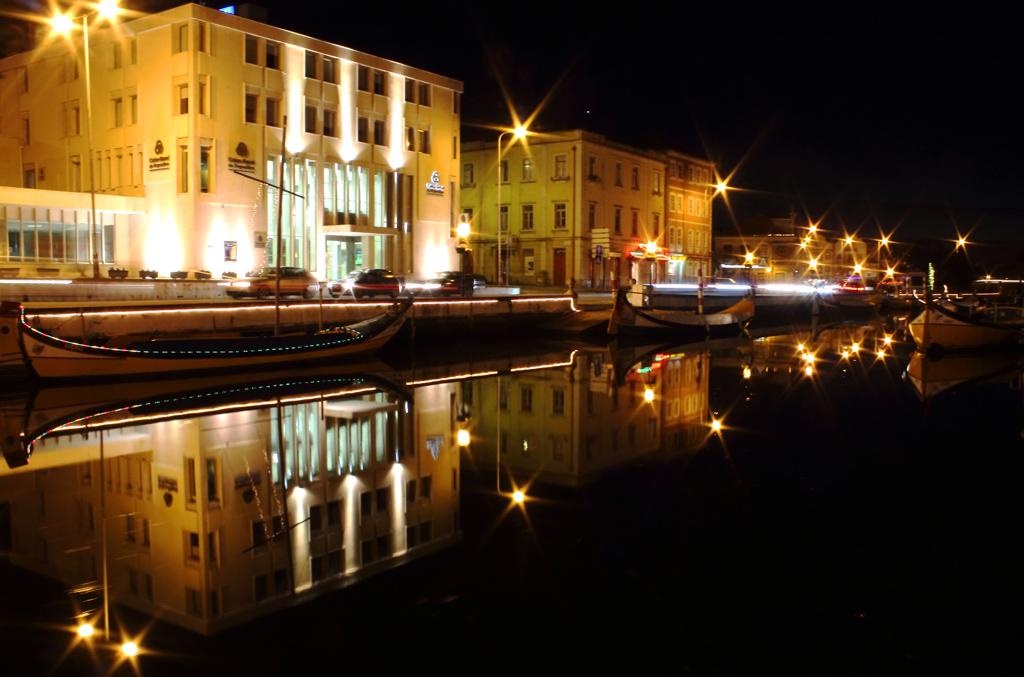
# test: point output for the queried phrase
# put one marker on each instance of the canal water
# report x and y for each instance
(809, 501)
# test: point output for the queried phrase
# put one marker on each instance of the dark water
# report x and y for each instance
(836, 524)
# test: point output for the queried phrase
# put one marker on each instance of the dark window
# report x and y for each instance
(316, 517)
(310, 64)
(410, 491)
(425, 487)
(379, 133)
(380, 82)
(363, 79)
(382, 500)
(273, 55)
(334, 513)
(365, 504)
(252, 50)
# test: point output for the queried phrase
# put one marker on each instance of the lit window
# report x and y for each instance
(527, 169)
(561, 167)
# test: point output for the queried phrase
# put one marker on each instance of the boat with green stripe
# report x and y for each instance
(26, 350)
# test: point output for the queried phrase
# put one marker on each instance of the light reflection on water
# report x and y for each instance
(225, 502)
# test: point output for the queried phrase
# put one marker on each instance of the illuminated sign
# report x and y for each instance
(435, 187)
(159, 162)
(230, 9)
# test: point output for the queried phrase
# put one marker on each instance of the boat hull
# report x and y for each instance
(956, 332)
(627, 319)
(45, 356)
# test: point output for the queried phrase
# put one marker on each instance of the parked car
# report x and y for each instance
(373, 282)
(448, 283)
(294, 281)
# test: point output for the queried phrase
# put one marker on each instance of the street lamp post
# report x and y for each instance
(62, 23)
(519, 133)
(463, 232)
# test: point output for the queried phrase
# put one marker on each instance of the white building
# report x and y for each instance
(191, 110)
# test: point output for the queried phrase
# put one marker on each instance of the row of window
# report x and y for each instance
(325, 68)
(54, 242)
(526, 399)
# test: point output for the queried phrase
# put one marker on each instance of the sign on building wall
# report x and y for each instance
(158, 161)
(435, 187)
(259, 239)
(240, 161)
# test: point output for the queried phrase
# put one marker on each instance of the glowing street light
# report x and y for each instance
(857, 268)
(648, 395)
(518, 497)
(716, 425)
(85, 630)
(520, 133)
(463, 438)
(849, 240)
(130, 649)
(62, 24)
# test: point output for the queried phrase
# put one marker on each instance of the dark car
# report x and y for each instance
(294, 281)
(448, 283)
(373, 282)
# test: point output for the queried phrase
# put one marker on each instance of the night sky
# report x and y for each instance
(894, 118)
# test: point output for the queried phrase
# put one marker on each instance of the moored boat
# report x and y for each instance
(26, 350)
(628, 319)
(939, 326)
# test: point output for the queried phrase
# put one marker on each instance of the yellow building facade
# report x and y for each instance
(572, 205)
(199, 119)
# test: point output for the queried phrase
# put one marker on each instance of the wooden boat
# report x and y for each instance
(627, 319)
(25, 350)
(947, 330)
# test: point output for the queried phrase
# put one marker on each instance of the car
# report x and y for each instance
(294, 281)
(448, 283)
(372, 282)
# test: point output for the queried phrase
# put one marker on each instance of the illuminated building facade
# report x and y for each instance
(691, 189)
(215, 519)
(192, 109)
(784, 252)
(565, 197)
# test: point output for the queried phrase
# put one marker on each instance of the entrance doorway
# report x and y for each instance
(558, 274)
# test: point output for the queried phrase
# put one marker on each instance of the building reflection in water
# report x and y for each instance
(195, 508)
(227, 511)
(574, 421)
